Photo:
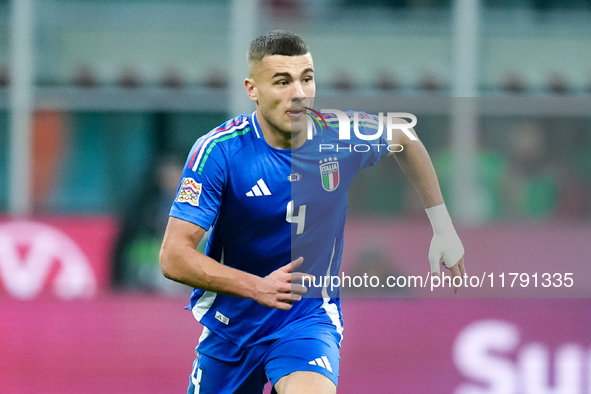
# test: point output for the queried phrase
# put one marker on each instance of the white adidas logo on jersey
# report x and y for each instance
(260, 189)
(322, 362)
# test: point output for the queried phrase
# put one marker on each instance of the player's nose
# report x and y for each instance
(297, 92)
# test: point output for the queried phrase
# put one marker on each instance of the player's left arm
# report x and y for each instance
(446, 246)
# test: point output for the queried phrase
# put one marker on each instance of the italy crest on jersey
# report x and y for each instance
(329, 172)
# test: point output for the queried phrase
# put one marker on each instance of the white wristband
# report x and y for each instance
(445, 246)
(440, 219)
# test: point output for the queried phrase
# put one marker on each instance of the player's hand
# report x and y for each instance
(447, 250)
(278, 289)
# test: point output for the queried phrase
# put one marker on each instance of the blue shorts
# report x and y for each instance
(268, 361)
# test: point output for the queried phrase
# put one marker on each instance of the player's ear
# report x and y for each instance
(251, 89)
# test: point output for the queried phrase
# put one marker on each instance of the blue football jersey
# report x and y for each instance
(266, 207)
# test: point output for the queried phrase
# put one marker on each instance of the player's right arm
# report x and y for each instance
(181, 262)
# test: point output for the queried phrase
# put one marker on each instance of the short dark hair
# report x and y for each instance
(276, 42)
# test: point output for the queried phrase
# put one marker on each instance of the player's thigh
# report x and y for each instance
(309, 365)
(212, 376)
(305, 382)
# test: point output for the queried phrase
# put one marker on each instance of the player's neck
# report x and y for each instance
(279, 139)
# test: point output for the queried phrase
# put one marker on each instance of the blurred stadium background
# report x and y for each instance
(100, 102)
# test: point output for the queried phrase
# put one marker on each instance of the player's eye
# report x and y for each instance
(281, 82)
(308, 79)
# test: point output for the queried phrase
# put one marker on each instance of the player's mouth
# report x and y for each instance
(296, 112)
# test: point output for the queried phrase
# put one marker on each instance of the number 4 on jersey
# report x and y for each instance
(299, 219)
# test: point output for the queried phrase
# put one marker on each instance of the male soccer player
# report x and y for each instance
(276, 207)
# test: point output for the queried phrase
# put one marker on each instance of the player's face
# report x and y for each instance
(281, 87)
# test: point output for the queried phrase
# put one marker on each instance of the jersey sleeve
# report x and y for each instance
(199, 194)
(378, 148)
